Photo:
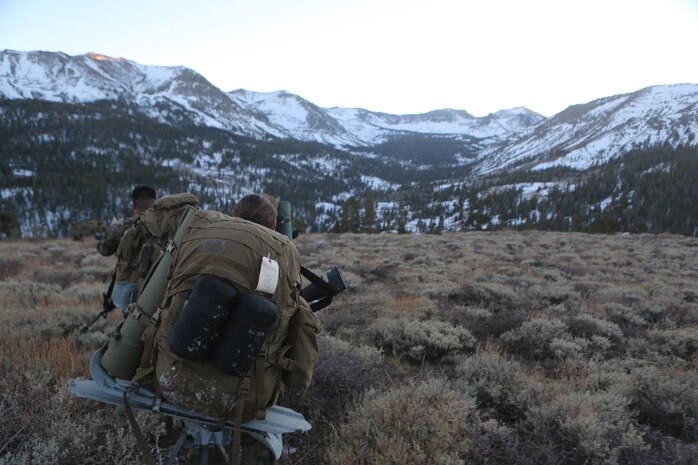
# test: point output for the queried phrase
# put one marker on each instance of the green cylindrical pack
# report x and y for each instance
(286, 212)
(123, 352)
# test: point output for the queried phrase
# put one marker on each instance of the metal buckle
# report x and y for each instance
(170, 247)
(156, 316)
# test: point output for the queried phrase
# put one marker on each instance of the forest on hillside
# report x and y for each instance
(650, 190)
(63, 164)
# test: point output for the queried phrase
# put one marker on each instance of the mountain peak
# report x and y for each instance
(100, 57)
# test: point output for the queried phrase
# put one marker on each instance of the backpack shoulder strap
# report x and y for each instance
(156, 281)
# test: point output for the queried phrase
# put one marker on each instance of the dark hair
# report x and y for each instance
(143, 198)
(143, 192)
(256, 208)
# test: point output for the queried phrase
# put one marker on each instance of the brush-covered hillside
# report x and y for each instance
(461, 348)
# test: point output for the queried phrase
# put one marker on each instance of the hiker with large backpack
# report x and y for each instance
(233, 327)
(142, 245)
(219, 327)
(111, 243)
(119, 294)
(142, 198)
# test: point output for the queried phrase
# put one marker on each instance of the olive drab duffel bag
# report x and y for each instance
(232, 325)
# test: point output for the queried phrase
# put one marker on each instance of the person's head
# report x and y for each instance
(256, 208)
(143, 198)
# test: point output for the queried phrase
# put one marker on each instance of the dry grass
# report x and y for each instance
(500, 348)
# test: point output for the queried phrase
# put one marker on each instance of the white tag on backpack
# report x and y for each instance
(268, 276)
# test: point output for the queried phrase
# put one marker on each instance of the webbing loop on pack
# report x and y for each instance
(236, 444)
(140, 437)
(261, 412)
(287, 364)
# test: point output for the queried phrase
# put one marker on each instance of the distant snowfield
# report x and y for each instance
(376, 183)
(607, 128)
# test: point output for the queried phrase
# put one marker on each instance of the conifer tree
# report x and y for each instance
(350, 220)
(368, 220)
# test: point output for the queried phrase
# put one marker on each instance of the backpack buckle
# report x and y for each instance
(156, 316)
(170, 247)
(139, 315)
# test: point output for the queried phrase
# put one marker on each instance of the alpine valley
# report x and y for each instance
(77, 132)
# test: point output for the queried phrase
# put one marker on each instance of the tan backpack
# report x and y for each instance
(142, 244)
(232, 250)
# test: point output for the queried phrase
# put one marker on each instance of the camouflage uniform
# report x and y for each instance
(110, 242)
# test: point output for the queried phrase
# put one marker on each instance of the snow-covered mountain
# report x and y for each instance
(375, 128)
(167, 94)
(176, 94)
(296, 117)
(581, 136)
(592, 133)
(63, 116)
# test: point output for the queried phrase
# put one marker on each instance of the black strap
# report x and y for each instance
(140, 438)
(261, 412)
(178, 445)
(317, 280)
(110, 290)
(321, 283)
(236, 444)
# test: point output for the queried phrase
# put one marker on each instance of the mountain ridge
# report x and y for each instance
(580, 136)
(594, 132)
(76, 79)
(446, 169)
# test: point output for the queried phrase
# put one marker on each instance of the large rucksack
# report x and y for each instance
(142, 244)
(259, 269)
(232, 250)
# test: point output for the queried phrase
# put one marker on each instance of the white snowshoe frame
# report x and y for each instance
(203, 431)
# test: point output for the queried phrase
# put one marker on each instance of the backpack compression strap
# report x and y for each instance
(322, 284)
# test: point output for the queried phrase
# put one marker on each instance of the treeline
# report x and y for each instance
(62, 164)
(651, 190)
(427, 150)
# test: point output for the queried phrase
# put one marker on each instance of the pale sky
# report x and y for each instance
(394, 56)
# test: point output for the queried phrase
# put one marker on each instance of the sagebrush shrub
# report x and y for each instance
(9, 266)
(667, 399)
(489, 295)
(494, 380)
(28, 294)
(588, 325)
(419, 340)
(97, 260)
(86, 293)
(420, 422)
(594, 427)
(63, 277)
(534, 336)
(628, 319)
(564, 348)
(680, 342)
(345, 368)
(95, 273)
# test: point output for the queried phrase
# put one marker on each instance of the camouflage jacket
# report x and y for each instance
(110, 242)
